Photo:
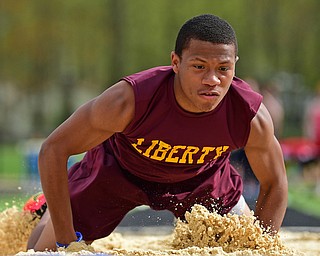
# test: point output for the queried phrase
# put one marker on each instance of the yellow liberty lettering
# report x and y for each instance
(160, 153)
(191, 150)
(139, 143)
(174, 150)
(206, 151)
(154, 143)
(220, 150)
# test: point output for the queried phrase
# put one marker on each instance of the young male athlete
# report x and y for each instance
(162, 137)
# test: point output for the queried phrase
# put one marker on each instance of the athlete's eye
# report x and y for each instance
(224, 68)
(199, 66)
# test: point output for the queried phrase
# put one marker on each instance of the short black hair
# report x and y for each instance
(205, 27)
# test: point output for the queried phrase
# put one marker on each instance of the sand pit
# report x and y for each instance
(204, 233)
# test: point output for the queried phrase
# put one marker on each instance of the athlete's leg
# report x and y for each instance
(46, 238)
(37, 231)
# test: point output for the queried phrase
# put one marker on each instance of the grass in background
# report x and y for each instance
(304, 199)
(14, 185)
(19, 177)
(12, 164)
(303, 187)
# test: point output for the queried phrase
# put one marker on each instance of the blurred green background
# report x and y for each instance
(56, 55)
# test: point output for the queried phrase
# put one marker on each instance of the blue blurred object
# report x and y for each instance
(31, 150)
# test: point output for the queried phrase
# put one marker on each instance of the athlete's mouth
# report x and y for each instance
(210, 93)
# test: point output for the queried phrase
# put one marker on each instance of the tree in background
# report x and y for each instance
(54, 53)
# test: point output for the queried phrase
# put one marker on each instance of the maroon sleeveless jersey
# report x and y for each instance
(165, 144)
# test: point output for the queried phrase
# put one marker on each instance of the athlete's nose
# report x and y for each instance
(211, 78)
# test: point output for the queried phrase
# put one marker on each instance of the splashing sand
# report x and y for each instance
(203, 233)
(15, 229)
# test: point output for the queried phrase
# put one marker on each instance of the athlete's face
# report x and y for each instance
(203, 75)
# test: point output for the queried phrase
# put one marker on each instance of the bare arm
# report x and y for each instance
(266, 160)
(90, 125)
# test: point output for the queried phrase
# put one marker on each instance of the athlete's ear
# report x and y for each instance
(237, 58)
(175, 60)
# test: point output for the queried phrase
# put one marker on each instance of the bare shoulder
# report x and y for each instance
(262, 130)
(114, 108)
(95, 121)
(263, 149)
